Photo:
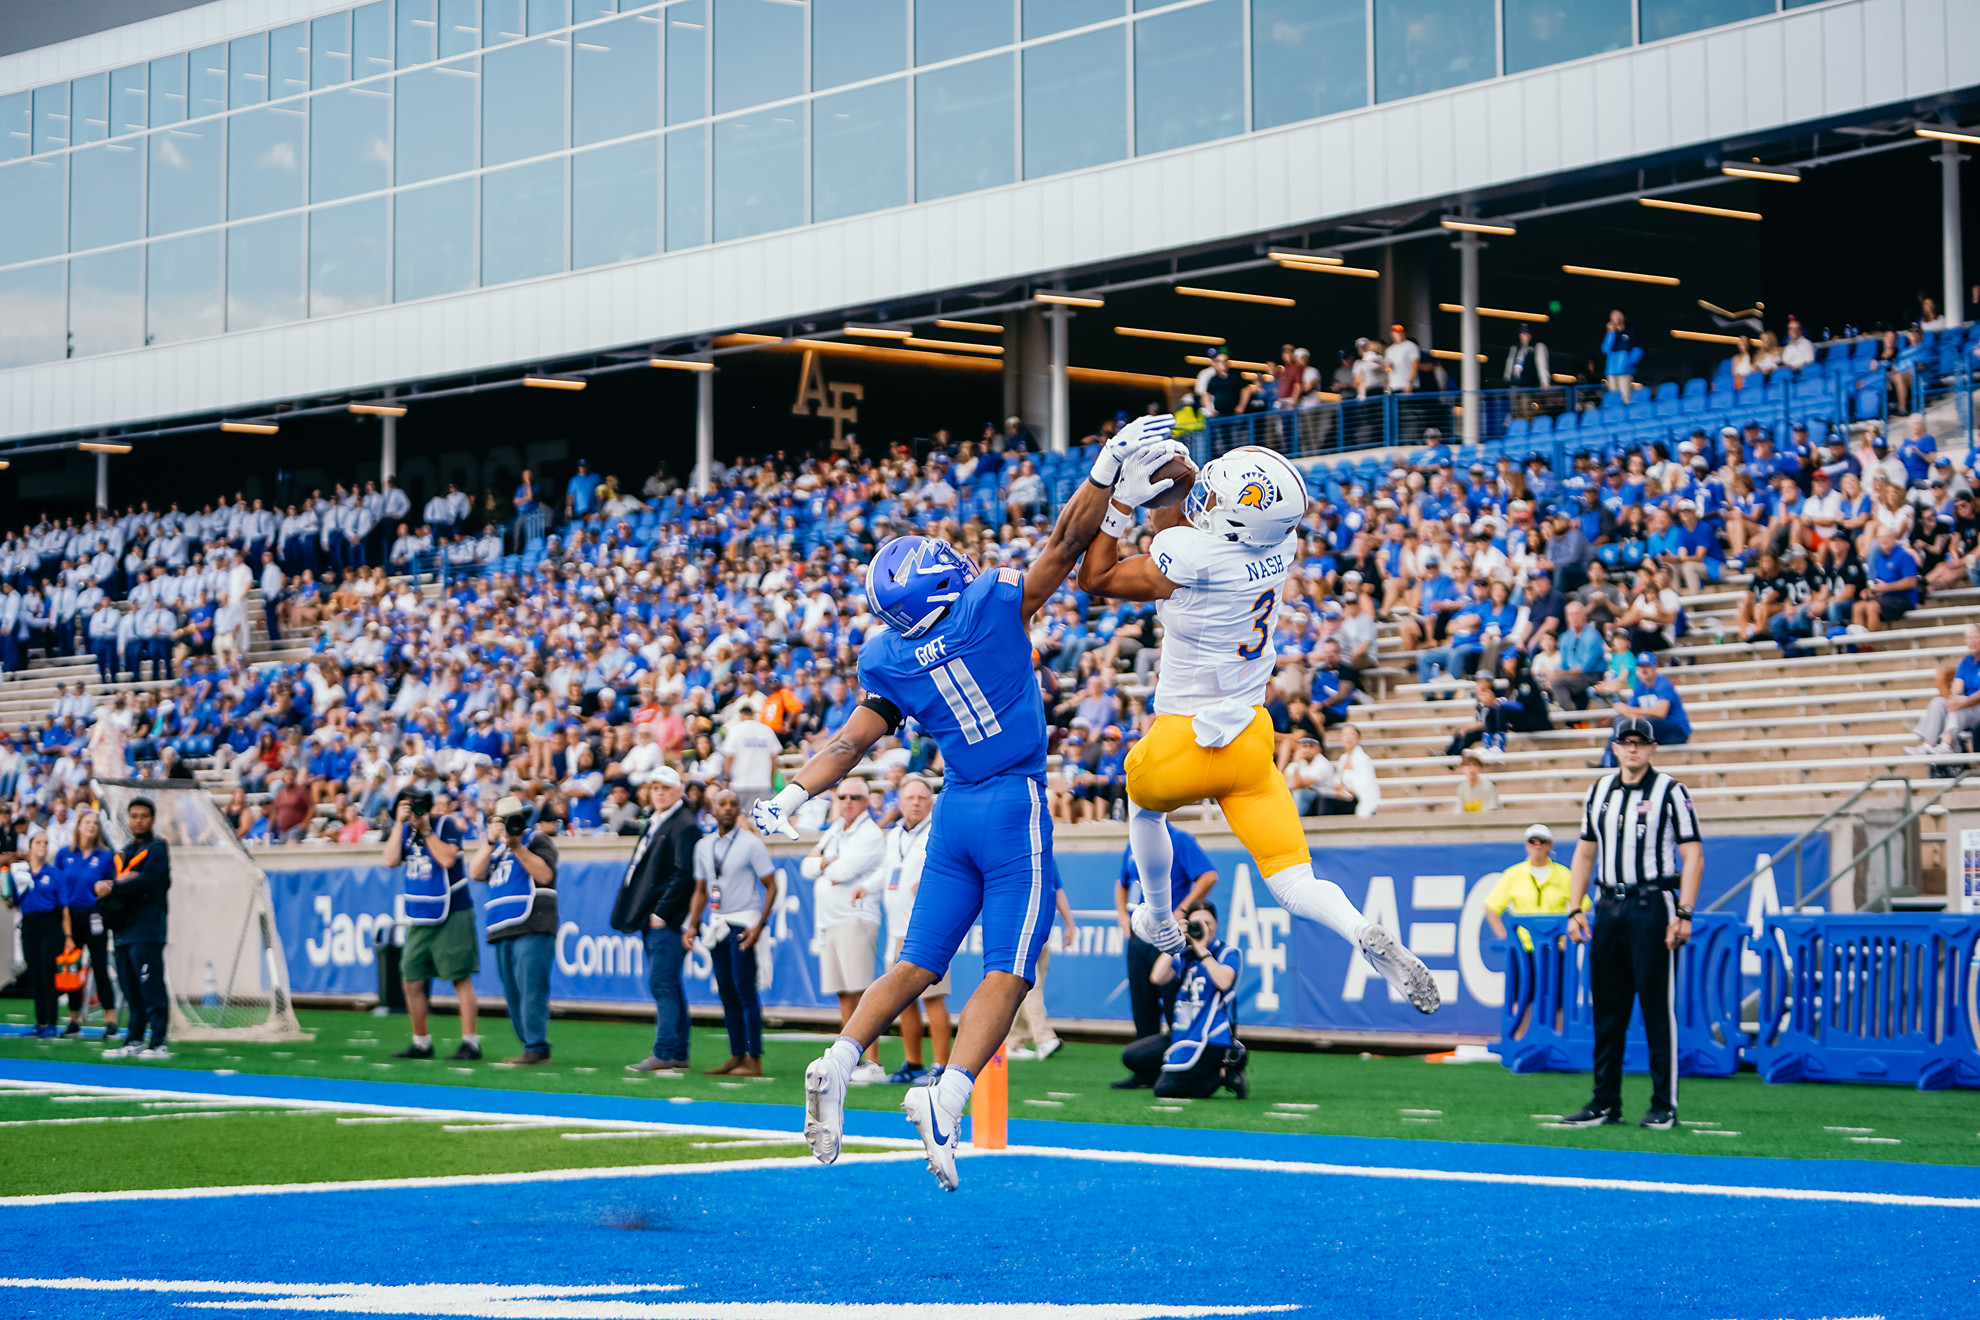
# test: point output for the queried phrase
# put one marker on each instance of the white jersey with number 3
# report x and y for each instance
(1217, 626)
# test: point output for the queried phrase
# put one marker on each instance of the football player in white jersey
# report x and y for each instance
(1215, 569)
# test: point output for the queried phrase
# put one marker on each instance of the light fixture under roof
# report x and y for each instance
(878, 332)
(1466, 225)
(1231, 295)
(1634, 277)
(1310, 258)
(1769, 173)
(1174, 336)
(1693, 208)
(552, 383)
(249, 428)
(376, 409)
(1947, 135)
(1068, 300)
(107, 447)
(681, 364)
(986, 327)
(1497, 313)
(1363, 272)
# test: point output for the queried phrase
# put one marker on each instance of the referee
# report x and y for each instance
(1642, 827)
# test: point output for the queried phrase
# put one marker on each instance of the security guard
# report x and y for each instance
(1535, 887)
(1640, 826)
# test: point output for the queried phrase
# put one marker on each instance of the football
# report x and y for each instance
(1179, 470)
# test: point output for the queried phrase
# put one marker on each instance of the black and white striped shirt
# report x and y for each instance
(1637, 828)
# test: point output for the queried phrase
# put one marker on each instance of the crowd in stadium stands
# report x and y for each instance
(713, 632)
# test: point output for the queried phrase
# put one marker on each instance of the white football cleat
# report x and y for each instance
(824, 1108)
(1166, 938)
(920, 1110)
(1400, 968)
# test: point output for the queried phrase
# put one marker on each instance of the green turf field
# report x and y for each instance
(152, 1143)
(1400, 1096)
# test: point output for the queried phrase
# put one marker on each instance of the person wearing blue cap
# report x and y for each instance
(1653, 700)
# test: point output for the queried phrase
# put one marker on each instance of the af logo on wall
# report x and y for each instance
(818, 397)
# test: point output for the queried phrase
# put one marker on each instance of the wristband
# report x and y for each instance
(1117, 520)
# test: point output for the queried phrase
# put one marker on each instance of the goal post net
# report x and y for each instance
(225, 972)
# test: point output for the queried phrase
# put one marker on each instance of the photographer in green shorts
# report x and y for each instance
(441, 941)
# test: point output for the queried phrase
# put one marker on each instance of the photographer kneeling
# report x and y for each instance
(1203, 1054)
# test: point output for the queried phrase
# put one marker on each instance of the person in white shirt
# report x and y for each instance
(907, 851)
(751, 751)
(1402, 358)
(1796, 350)
(735, 887)
(848, 866)
(1357, 772)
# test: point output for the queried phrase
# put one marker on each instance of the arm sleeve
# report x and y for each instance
(884, 708)
(1177, 556)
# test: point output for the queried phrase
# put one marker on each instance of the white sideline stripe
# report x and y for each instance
(1502, 1179)
(738, 1145)
(116, 1118)
(506, 1127)
(457, 1180)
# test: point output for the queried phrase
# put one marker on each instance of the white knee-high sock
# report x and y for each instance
(1154, 857)
(1305, 894)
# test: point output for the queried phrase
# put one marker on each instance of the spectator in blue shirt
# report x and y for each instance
(1697, 556)
(1654, 698)
(581, 492)
(1956, 710)
(1917, 450)
(1893, 582)
(1584, 659)
(1620, 355)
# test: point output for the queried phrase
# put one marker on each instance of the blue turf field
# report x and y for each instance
(1027, 1230)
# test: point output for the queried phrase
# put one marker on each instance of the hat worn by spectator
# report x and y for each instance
(666, 777)
(1111, 731)
(1646, 659)
(1635, 731)
(511, 806)
(1539, 832)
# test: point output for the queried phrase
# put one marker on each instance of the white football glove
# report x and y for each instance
(1140, 431)
(772, 815)
(1137, 486)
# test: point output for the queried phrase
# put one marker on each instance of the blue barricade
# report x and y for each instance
(1869, 997)
(1547, 1022)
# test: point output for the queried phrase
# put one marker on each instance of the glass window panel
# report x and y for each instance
(687, 61)
(523, 100)
(265, 273)
(759, 171)
(1044, 17)
(1199, 49)
(182, 289)
(348, 260)
(548, 15)
(185, 170)
(32, 315)
(1670, 18)
(433, 247)
(615, 203)
(1427, 45)
(853, 40)
(247, 71)
(288, 61)
(16, 125)
(435, 123)
(106, 302)
(1075, 102)
(265, 160)
(501, 20)
(127, 98)
(586, 10)
(168, 91)
(32, 224)
(371, 40)
(944, 29)
(522, 222)
(759, 52)
(89, 109)
(460, 27)
(859, 151)
(964, 129)
(687, 188)
(615, 79)
(206, 74)
(1542, 32)
(106, 195)
(419, 32)
(51, 118)
(1307, 59)
(350, 142)
(330, 50)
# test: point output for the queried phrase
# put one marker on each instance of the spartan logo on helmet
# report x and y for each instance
(1253, 496)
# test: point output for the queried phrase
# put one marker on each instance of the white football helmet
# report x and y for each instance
(1252, 495)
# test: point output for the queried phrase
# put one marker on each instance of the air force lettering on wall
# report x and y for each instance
(818, 397)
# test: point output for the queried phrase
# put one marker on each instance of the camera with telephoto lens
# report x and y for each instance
(1196, 930)
(515, 825)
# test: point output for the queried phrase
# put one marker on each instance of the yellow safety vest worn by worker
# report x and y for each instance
(1528, 893)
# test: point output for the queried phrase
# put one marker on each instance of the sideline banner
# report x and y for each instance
(1297, 974)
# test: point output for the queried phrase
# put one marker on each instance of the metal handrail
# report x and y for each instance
(1848, 868)
(1794, 844)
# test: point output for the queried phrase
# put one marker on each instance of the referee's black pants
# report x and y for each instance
(1627, 964)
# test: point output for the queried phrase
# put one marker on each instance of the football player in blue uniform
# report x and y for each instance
(956, 658)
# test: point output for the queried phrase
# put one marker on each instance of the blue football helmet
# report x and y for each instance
(914, 580)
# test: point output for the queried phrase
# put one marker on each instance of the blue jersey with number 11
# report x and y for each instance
(968, 682)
